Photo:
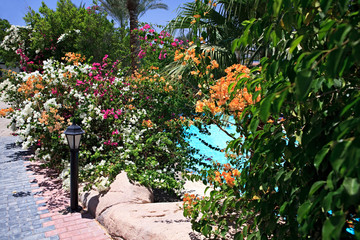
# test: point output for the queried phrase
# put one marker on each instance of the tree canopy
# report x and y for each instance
(298, 117)
(52, 33)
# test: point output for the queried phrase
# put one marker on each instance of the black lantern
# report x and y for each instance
(73, 136)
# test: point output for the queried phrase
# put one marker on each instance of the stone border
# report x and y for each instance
(127, 212)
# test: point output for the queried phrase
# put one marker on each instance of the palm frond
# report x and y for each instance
(116, 9)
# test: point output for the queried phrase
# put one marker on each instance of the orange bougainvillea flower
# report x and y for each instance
(75, 58)
(147, 123)
(197, 16)
(32, 85)
(227, 167)
(235, 173)
(217, 177)
(3, 112)
(220, 92)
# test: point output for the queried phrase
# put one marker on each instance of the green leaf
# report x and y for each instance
(276, 7)
(325, 4)
(231, 86)
(265, 108)
(235, 44)
(288, 175)
(254, 124)
(330, 181)
(224, 206)
(312, 57)
(295, 43)
(279, 100)
(283, 207)
(303, 211)
(238, 236)
(315, 187)
(325, 27)
(332, 227)
(300, 58)
(334, 62)
(279, 174)
(349, 106)
(206, 230)
(302, 83)
(320, 156)
(337, 156)
(351, 185)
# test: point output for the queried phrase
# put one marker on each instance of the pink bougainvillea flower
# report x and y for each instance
(142, 54)
(151, 30)
(115, 132)
(173, 44)
(78, 83)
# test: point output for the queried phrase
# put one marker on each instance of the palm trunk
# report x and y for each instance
(133, 6)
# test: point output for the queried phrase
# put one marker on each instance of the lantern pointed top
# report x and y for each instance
(73, 135)
(74, 130)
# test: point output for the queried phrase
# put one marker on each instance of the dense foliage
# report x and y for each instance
(52, 33)
(135, 123)
(299, 152)
(293, 170)
(4, 26)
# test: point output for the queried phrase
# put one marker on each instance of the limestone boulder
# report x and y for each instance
(90, 200)
(160, 221)
(123, 191)
(128, 212)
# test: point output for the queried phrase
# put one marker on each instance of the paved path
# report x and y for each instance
(33, 205)
(18, 205)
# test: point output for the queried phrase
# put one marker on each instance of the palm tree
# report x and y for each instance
(117, 10)
(123, 10)
(219, 26)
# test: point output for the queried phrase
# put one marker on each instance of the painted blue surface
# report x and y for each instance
(217, 139)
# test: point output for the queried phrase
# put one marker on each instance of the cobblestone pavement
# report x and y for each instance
(33, 205)
(18, 206)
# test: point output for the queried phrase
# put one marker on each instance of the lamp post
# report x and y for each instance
(73, 135)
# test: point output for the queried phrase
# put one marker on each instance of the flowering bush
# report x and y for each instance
(130, 123)
(50, 33)
(156, 49)
(217, 215)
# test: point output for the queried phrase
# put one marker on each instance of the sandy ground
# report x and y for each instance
(4, 131)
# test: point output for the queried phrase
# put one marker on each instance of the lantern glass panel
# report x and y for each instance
(77, 141)
(70, 139)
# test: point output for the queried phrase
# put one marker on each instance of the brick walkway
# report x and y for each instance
(33, 205)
